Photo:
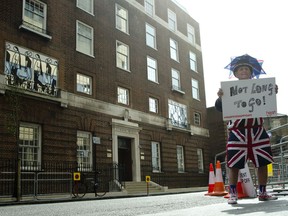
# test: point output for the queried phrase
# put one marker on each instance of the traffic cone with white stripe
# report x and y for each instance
(211, 180)
(219, 188)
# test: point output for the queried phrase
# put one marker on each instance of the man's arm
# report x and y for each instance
(218, 104)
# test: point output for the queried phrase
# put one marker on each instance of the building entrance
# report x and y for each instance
(125, 158)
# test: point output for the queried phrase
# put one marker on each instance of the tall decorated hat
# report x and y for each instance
(249, 61)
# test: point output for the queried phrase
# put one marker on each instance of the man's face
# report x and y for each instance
(243, 72)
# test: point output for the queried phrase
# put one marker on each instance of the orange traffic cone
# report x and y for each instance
(219, 188)
(211, 180)
(240, 191)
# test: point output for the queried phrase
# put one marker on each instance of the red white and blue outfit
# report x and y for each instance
(247, 140)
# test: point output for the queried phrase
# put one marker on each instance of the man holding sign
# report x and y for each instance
(247, 137)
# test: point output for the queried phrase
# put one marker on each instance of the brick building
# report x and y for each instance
(218, 133)
(101, 83)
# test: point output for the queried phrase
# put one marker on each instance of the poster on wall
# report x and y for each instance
(249, 98)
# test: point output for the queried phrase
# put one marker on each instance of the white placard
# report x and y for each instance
(249, 98)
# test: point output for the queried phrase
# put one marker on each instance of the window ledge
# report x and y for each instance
(87, 54)
(156, 82)
(125, 70)
(22, 26)
(155, 171)
(178, 90)
(199, 131)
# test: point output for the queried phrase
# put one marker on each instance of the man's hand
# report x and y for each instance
(220, 93)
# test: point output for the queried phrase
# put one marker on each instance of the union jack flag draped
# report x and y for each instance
(248, 140)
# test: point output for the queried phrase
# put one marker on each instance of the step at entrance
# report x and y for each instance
(141, 187)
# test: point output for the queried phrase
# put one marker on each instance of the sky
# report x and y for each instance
(230, 28)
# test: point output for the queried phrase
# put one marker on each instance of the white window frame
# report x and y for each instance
(89, 37)
(153, 105)
(177, 114)
(149, 7)
(193, 61)
(200, 160)
(172, 20)
(197, 119)
(121, 21)
(191, 34)
(174, 50)
(123, 95)
(122, 56)
(30, 145)
(150, 36)
(155, 156)
(86, 5)
(152, 70)
(84, 151)
(195, 89)
(32, 12)
(84, 84)
(180, 159)
(176, 80)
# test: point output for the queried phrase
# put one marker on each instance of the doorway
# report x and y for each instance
(125, 158)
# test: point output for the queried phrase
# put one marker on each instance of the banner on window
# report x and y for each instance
(30, 70)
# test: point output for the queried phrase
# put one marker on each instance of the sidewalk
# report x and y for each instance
(91, 196)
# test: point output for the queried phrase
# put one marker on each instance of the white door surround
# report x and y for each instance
(122, 128)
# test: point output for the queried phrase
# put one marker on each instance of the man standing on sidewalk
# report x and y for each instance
(244, 135)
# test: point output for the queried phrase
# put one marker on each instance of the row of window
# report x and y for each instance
(177, 114)
(173, 45)
(84, 44)
(30, 150)
(30, 145)
(35, 16)
(180, 152)
(34, 13)
(149, 6)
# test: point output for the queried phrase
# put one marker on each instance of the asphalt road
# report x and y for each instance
(186, 204)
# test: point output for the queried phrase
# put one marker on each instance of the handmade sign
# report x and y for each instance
(249, 98)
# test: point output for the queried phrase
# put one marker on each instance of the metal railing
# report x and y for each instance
(53, 180)
(278, 175)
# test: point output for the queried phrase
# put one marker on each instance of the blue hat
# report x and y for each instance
(247, 60)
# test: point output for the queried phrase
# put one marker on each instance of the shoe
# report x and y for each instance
(232, 199)
(266, 197)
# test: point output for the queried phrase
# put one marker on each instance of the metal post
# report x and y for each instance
(95, 163)
(147, 188)
(18, 193)
(18, 189)
(282, 161)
